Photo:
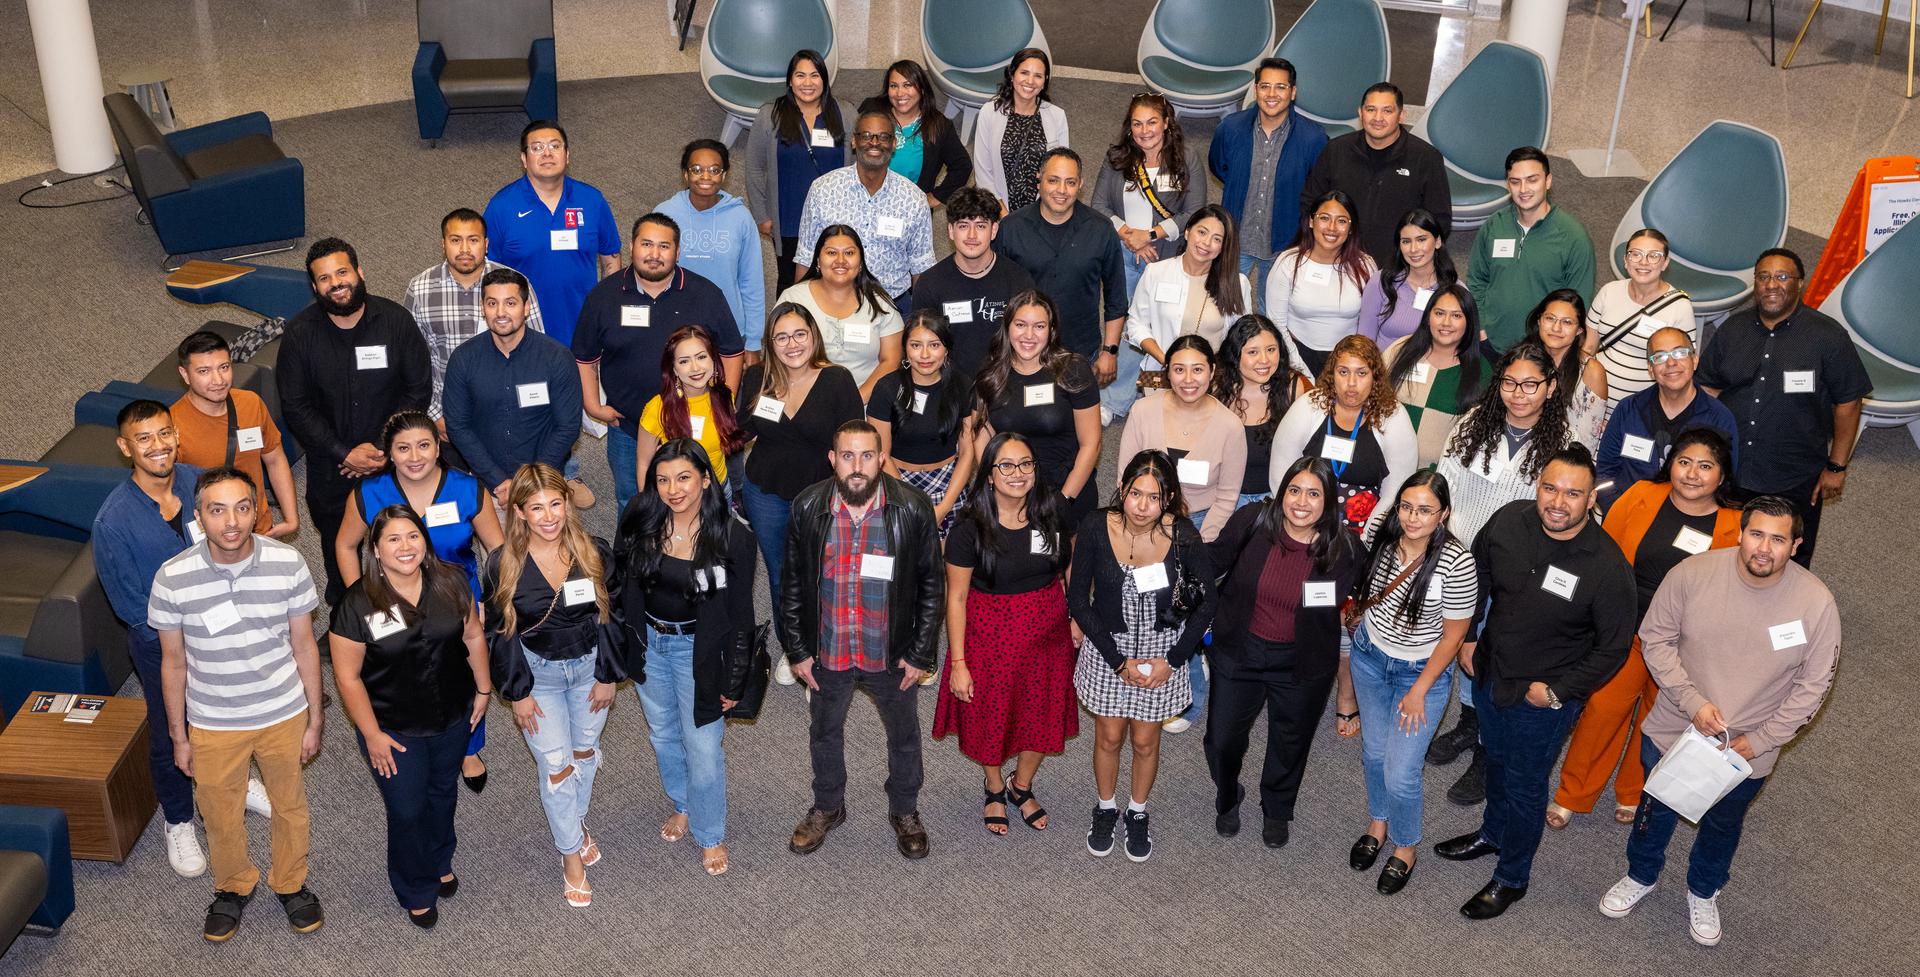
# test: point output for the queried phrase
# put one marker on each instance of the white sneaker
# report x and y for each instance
(257, 802)
(1106, 416)
(1625, 894)
(782, 672)
(183, 850)
(1703, 919)
(1177, 724)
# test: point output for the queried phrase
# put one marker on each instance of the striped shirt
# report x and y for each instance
(449, 315)
(234, 621)
(1451, 596)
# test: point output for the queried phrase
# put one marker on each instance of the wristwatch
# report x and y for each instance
(1553, 701)
(1114, 349)
(1835, 467)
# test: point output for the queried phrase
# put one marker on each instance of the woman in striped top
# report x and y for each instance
(1627, 312)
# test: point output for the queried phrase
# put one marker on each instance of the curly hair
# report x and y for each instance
(1483, 426)
(1125, 157)
(1381, 400)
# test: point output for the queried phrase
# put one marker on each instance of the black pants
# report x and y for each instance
(899, 713)
(783, 265)
(420, 799)
(326, 512)
(1802, 498)
(903, 302)
(1266, 674)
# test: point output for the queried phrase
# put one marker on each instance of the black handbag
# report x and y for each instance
(759, 670)
(1187, 594)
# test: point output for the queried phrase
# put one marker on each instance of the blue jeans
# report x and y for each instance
(1713, 846)
(1523, 743)
(1118, 396)
(420, 799)
(1247, 264)
(1250, 498)
(693, 768)
(768, 514)
(622, 458)
(569, 727)
(1394, 760)
(171, 786)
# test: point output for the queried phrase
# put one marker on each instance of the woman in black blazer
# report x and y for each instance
(925, 144)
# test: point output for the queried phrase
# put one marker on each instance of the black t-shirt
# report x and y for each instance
(416, 673)
(1364, 473)
(557, 627)
(625, 330)
(1657, 554)
(667, 597)
(916, 436)
(976, 308)
(1045, 417)
(790, 450)
(1259, 459)
(1017, 569)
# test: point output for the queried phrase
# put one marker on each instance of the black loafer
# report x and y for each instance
(1364, 852)
(449, 887)
(1394, 877)
(425, 920)
(1274, 832)
(1492, 901)
(1466, 848)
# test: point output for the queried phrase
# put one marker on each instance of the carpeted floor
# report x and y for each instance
(1816, 886)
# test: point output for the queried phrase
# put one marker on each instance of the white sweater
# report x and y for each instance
(991, 127)
(1168, 304)
(1317, 305)
(1396, 438)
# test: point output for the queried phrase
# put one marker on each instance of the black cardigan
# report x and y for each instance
(1093, 590)
(1242, 549)
(723, 627)
(949, 154)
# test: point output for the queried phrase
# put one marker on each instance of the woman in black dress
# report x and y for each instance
(1032, 385)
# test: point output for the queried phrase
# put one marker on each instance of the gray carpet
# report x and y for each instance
(1815, 888)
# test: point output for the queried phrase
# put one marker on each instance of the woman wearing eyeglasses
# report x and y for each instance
(1626, 312)
(1559, 325)
(1314, 290)
(717, 235)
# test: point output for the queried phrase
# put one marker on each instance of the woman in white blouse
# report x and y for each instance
(1559, 325)
(1015, 130)
(1314, 290)
(859, 326)
(1627, 312)
(1198, 292)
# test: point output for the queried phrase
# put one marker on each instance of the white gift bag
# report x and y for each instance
(1695, 773)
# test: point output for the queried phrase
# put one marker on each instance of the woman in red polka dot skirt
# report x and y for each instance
(1008, 685)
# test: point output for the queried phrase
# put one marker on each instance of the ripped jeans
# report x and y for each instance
(566, 731)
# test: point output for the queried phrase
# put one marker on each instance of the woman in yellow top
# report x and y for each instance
(693, 402)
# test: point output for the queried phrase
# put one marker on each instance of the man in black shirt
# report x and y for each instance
(971, 287)
(347, 363)
(1559, 621)
(1386, 170)
(1795, 384)
(1074, 257)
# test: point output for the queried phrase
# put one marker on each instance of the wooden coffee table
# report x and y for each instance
(97, 772)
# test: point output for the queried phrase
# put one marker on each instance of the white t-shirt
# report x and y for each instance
(1316, 304)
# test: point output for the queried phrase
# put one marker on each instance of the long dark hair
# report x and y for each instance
(1044, 507)
(1003, 96)
(866, 288)
(1227, 382)
(1716, 444)
(1568, 372)
(1396, 270)
(1467, 392)
(1486, 424)
(1353, 261)
(1328, 531)
(1159, 464)
(951, 409)
(786, 109)
(934, 124)
(1125, 157)
(1386, 542)
(998, 368)
(674, 418)
(1223, 278)
(646, 521)
(437, 577)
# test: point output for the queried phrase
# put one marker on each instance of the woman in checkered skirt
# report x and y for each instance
(920, 411)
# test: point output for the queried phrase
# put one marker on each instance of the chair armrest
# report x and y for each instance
(265, 203)
(428, 62)
(193, 140)
(61, 502)
(42, 831)
(430, 106)
(75, 621)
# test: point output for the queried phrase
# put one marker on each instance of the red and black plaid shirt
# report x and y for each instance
(853, 627)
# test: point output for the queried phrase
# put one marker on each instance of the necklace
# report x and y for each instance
(680, 535)
(1134, 538)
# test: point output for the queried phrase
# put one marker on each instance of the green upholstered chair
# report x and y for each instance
(967, 44)
(1339, 47)
(1201, 54)
(1500, 101)
(745, 48)
(1876, 302)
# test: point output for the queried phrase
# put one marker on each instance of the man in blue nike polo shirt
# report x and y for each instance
(552, 228)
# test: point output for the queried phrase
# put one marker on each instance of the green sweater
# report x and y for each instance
(1556, 253)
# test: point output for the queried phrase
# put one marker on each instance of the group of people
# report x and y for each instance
(1348, 473)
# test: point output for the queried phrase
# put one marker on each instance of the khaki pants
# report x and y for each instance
(220, 761)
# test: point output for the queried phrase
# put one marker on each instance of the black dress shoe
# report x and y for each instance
(1492, 901)
(1364, 852)
(1394, 877)
(1471, 788)
(425, 920)
(1466, 848)
(476, 783)
(909, 835)
(1273, 832)
(449, 887)
(1226, 820)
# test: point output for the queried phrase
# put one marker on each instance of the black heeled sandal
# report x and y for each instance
(1019, 798)
(992, 821)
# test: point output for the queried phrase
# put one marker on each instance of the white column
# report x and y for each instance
(70, 78)
(1539, 25)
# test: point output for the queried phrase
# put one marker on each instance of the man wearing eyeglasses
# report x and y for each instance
(552, 228)
(889, 210)
(1261, 155)
(1794, 383)
(1643, 425)
(1525, 250)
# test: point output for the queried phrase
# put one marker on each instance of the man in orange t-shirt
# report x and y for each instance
(219, 425)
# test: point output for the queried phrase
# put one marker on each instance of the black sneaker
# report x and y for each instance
(1471, 788)
(303, 911)
(1139, 840)
(223, 916)
(1100, 836)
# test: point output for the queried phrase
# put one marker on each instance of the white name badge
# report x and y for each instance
(1503, 247)
(194, 530)
(820, 137)
(1144, 668)
(1436, 593)
(1317, 274)
(383, 623)
(919, 401)
(1040, 396)
(1788, 635)
(1647, 326)
(443, 514)
(1420, 373)
(1559, 583)
(857, 334)
(1162, 183)
(637, 316)
(1169, 292)
(1316, 593)
(1636, 447)
(1692, 540)
(532, 394)
(1193, 472)
(890, 227)
(1039, 544)
(1337, 449)
(567, 240)
(1421, 296)
(1799, 381)
(719, 578)
(699, 426)
(1150, 578)
(957, 312)
(370, 357)
(577, 591)
(248, 439)
(224, 615)
(873, 566)
(769, 409)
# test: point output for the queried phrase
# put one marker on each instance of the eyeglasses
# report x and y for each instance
(541, 147)
(1783, 277)
(792, 338)
(1409, 510)
(706, 171)
(1677, 353)
(1272, 86)
(873, 137)
(1010, 468)
(1558, 320)
(1528, 387)
(1636, 254)
(1336, 220)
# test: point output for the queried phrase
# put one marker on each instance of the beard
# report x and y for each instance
(856, 497)
(354, 302)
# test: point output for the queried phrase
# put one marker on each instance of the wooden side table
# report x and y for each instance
(97, 772)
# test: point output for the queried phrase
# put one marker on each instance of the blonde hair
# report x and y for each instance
(529, 481)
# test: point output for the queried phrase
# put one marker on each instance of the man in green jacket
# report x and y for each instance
(1525, 250)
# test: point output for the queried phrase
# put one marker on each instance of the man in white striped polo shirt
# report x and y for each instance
(241, 674)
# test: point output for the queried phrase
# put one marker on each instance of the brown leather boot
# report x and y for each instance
(812, 830)
(910, 834)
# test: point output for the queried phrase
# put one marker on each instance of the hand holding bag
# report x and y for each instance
(1695, 773)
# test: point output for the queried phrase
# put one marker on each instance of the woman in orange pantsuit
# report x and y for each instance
(1679, 513)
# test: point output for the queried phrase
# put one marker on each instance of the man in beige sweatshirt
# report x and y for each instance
(1742, 642)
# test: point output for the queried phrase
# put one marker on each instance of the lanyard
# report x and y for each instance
(1340, 467)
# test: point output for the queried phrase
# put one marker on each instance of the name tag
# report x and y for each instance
(1647, 326)
(1040, 396)
(637, 316)
(699, 426)
(567, 240)
(248, 439)
(1193, 472)
(1799, 381)
(532, 394)
(1503, 247)
(1162, 183)
(719, 578)
(1636, 447)
(370, 357)
(873, 566)
(1169, 292)
(820, 138)
(1421, 296)
(224, 615)
(1337, 449)
(1150, 578)
(919, 401)
(1692, 540)
(890, 227)
(957, 312)
(1420, 373)
(769, 409)
(1436, 593)
(1040, 544)
(1559, 583)
(443, 514)
(858, 334)
(717, 581)
(1788, 635)
(1317, 274)
(1316, 593)
(577, 592)
(194, 531)
(383, 623)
